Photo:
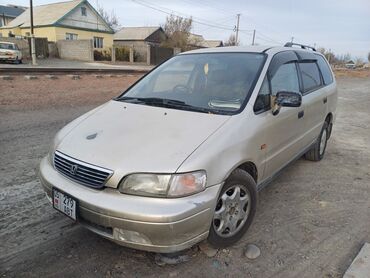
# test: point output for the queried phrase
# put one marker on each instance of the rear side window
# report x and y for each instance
(310, 76)
(325, 70)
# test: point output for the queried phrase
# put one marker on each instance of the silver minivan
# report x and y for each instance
(180, 156)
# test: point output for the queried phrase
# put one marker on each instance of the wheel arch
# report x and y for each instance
(250, 168)
(329, 120)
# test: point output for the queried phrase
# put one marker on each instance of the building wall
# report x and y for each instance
(84, 35)
(16, 31)
(81, 50)
(40, 32)
(54, 34)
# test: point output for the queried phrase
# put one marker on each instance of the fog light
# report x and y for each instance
(130, 236)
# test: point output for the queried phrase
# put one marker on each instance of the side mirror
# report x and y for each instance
(286, 99)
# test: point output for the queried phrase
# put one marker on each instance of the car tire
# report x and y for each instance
(318, 150)
(236, 207)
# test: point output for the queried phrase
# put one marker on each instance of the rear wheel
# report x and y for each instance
(318, 150)
(235, 209)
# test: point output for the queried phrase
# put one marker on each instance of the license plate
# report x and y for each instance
(64, 203)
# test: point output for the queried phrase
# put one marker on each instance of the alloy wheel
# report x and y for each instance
(232, 211)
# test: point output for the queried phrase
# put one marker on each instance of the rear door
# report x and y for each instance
(315, 97)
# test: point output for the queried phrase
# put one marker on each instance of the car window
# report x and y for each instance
(310, 75)
(263, 98)
(210, 82)
(285, 79)
(174, 75)
(325, 70)
(7, 46)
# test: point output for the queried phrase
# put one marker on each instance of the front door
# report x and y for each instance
(283, 132)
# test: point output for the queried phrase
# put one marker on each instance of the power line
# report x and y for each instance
(211, 5)
(228, 19)
(161, 9)
(207, 23)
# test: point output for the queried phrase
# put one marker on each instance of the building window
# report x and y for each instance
(83, 11)
(71, 36)
(98, 42)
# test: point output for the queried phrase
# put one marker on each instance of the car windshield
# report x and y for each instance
(7, 46)
(211, 83)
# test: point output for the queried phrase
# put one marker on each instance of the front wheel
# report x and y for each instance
(235, 209)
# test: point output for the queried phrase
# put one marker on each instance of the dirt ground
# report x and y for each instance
(311, 221)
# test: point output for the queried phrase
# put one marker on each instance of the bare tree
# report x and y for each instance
(177, 30)
(359, 62)
(322, 50)
(231, 41)
(110, 18)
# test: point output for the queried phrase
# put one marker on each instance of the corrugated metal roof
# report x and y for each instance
(44, 14)
(134, 33)
(10, 11)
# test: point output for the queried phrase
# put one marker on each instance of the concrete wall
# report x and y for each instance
(81, 50)
(22, 44)
(140, 49)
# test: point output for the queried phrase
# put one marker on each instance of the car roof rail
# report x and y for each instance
(291, 44)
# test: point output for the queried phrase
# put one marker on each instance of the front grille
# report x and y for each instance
(81, 172)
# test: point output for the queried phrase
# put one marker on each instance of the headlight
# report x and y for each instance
(164, 185)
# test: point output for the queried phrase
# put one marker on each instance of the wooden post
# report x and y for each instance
(113, 53)
(131, 55)
(148, 57)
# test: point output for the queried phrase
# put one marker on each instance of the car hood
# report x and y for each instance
(128, 138)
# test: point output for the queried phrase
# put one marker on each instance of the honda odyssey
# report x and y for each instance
(180, 156)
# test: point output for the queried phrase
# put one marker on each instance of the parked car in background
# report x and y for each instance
(180, 156)
(10, 52)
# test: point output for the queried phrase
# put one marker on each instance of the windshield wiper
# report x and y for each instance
(168, 103)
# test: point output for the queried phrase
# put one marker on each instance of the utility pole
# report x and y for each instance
(33, 48)
(254, 36)
(292, 40)
(237, 29)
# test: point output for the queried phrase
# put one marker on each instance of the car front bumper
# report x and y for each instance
(161, 225)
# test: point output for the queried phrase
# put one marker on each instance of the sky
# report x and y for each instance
(340, 25)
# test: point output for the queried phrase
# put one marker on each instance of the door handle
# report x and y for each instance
(300, 114)
(325, 100)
